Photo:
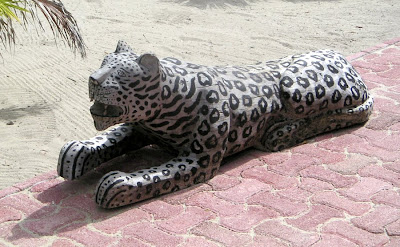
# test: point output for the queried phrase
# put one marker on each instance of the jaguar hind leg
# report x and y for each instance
(79, 157)
(289, 132)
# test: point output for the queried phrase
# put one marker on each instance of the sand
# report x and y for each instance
(43, 86)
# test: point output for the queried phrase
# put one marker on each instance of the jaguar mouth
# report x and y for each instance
(103, 110)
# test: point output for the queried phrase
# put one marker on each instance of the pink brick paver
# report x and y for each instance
(339, 189)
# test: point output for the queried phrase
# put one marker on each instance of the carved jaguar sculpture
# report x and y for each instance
(205, 113)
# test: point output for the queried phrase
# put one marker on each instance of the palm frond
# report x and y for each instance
(61, 22)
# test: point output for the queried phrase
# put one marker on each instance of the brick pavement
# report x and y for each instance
(339, 189)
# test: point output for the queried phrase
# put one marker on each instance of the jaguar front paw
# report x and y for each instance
(77, 158)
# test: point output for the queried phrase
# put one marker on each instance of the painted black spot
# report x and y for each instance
(225, 109)
(212, 97)
(329, 80)
(301, 62)
(254, 89)
(146, 176)
(240, 85)
(204, 79)
(200, 179)
(156, 179)
(303, 82)
(312, 75)
(196, 147)
(214, 116)
(173, 60)
(254, 115)
(180, 70)
(293, 69)
(193, 170)
(216, 157)
(261, 125)
(299, 109)
(166, 92)
(309, 98)
(274, 106)
(239, 74)
(287, 81)
(227, 83)
(296, 97)
(166, 185)
(232, 137)
(247, 132)
(247, 101)
(263, 105)
(336, 96)
(222, 128)
(256, 78)
(204, 161)
(348, 101)
(204, 110)
(211, 142)
(323, 105)
(242, 119)
(149, 188)
(267, 91)
(193, 66)
(177, 176)
(222, 89)
(343, 84)
(318, 57)
(204, 128)
(350, 77)
(186, 178)
(165, 172)
(267, 76)
(318, 65)
(319, 91)
(355, 92)
(233, 102)
(332, 69)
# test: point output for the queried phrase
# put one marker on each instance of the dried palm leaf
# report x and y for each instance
(61, 22)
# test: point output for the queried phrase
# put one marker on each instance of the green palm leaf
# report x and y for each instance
(62, 23)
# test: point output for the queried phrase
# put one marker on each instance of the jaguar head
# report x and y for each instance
(124, 88)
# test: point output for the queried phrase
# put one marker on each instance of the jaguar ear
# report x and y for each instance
(122, 46)
(149, 62)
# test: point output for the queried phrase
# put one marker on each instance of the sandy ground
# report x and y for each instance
(43, 87)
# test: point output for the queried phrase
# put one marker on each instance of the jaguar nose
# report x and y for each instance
(100, 75)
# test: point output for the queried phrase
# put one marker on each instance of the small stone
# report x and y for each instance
(10, 123)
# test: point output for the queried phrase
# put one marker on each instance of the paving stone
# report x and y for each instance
(48, 224)
(394, 166)
(161, 210)
(282, 205)
(292, 166)
(9, 214)
(119, 221)
(21, 202)
(394, 242)
(336, 179)
(380, 172)
(208, 200)
(314, 185)
(286, 233)
(237, 164)
(181, 223)
(276, 180)
(83, 235)
(333, 200)
(14, 234)
(242, 191)
(319, 214)
(388, 197)
(376, 220)
(222, 182)
(63, 243)
(266, 241)
(221, 235)
(272, 159)
(365, 189)
(393, 229)
(85, 203)
(195, 241)
(245, 220)
(352, 164)
(354, 234)
(322, 156)
(130, 241)
(333, 240)
(148, 233)
(294, 194)
(180, 197)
